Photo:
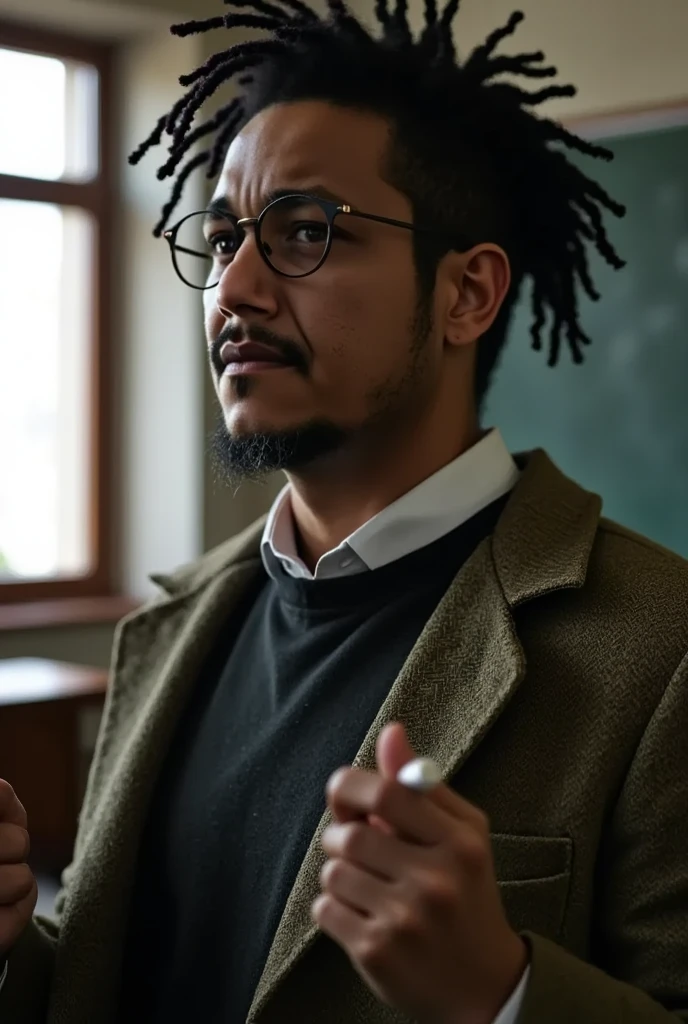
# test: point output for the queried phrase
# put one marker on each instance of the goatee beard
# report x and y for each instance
(255, 456)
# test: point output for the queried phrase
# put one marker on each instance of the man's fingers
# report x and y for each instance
(336, 919)
(16, 883)
(14, 844)
(353, 793)
(11, 811)
(357, 888)
(453, 804)
(419, 817)
(361, 844)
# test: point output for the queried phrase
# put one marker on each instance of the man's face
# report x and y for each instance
(362, 359)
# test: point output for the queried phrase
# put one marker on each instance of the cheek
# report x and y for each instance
(367, 324)
(212, 317)
(213, 322)
(361, 342)
(386, 300)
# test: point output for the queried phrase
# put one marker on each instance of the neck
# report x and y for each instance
(332, 501)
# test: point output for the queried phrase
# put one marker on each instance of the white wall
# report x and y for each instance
(620, 53)
(102, 18)
(159, 333)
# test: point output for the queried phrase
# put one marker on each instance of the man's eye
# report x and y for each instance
(310, 234)
(222, 244)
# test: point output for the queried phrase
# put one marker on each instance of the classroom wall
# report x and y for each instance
(620, 53)
(160, 329)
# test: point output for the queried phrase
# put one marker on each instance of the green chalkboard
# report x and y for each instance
(619, 423)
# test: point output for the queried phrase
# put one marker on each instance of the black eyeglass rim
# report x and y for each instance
(331, 210)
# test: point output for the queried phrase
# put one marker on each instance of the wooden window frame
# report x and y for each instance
(95, 197)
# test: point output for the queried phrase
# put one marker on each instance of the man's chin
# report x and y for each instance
(255, 454)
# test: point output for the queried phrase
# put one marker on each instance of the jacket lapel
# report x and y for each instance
(160, 651)
(461, 673)
(466, 665)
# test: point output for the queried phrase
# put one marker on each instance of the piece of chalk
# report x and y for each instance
(421, 775)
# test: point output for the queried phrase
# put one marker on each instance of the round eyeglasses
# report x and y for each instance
(293, 233)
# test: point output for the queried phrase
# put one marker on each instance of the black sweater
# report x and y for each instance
(285, 700)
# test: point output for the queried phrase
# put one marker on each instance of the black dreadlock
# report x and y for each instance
(467, 149)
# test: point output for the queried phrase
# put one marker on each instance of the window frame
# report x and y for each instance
(95, 197)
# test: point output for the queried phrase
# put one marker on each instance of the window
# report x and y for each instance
(54, 316)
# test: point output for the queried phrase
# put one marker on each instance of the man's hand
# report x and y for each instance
(18, 890)
(410, 894)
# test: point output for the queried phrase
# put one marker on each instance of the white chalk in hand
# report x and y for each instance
(421, 775)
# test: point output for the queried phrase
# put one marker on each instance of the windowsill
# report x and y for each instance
(73, 611)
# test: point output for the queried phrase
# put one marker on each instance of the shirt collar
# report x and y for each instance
(438, 505)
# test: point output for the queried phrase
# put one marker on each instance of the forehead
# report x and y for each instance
(297, 144)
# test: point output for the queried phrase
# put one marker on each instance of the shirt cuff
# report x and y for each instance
(3, 973)
(510, 1011)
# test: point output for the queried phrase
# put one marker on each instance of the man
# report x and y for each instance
(415, 591)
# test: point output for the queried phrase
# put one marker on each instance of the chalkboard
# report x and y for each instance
(618, 424)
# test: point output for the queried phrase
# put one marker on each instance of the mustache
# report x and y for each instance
(287, 349)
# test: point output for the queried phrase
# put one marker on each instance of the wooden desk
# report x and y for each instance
(42, 704)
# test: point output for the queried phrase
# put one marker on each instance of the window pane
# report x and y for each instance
(46, 258)
(59, 98)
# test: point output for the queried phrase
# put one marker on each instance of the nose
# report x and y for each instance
(247, 284)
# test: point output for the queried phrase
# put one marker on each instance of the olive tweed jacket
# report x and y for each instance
(551, 685)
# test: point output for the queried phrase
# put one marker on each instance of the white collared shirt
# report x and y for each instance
(434, 508)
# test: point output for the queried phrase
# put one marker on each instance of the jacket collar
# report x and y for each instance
(541, 543)
(545, 535)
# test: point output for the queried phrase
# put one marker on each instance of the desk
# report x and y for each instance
(42, 706)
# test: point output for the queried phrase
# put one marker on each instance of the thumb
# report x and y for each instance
(393, 750)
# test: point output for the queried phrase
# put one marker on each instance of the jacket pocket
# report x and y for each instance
(534, 876)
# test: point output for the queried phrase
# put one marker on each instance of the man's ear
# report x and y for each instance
(476, 284)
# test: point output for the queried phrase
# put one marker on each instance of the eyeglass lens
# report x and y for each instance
(294, 235)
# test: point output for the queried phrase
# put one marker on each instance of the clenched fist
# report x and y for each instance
(18, 890)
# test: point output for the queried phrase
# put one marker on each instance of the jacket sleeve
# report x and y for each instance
(26, 990)
(24, 996)
(639, 943)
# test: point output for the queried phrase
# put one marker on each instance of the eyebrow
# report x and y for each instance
(220, 207)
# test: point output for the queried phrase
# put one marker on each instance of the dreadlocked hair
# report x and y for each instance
(467, 148)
